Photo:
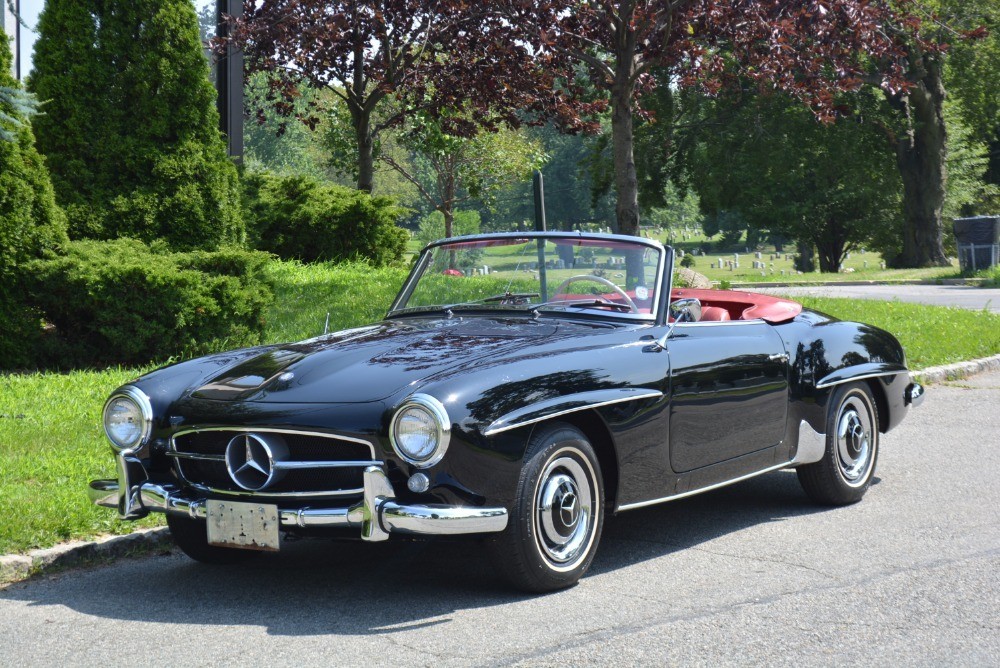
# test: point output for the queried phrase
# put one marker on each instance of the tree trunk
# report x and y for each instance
(366, 149)
(626, 181)
(831, 255)
(804, 260)
(920, 156)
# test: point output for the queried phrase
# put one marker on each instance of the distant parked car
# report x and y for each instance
(520, 388)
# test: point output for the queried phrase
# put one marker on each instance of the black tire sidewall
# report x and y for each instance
(844, 393)
(523, 562)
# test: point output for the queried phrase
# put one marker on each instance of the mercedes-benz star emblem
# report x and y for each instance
(568, 509)
(250, 462)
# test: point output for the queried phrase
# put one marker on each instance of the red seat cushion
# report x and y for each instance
(713, 313)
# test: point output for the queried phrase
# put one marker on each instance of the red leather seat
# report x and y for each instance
(714, 313)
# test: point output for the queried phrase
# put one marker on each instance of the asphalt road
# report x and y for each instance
(962, 296)
(751, 574)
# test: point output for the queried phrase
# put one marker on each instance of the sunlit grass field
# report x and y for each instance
(51, 443)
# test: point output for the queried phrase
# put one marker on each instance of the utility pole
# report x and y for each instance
(229, 82)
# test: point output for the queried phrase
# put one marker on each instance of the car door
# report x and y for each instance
(729, 391)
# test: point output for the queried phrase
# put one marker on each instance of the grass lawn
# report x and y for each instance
(861, 266)
(51, 441)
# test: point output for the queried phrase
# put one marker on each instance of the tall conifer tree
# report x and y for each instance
(130, 126)
(30, 221)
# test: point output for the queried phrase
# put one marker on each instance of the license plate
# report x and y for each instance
(248, 526)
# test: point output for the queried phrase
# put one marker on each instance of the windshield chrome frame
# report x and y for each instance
(662, 281)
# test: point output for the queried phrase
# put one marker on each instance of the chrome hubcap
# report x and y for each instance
(855, 440)
(564, 510)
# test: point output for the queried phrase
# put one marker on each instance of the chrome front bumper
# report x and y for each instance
(376, 515)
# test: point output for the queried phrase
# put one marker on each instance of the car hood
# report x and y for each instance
(372, 363)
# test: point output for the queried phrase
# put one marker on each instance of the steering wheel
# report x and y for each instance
(603, 281)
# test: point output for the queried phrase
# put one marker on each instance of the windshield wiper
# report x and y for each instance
(587, 303)
(513, 298)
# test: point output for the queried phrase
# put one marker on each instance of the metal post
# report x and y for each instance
(539, 187)
(12, 26)
(229, 82)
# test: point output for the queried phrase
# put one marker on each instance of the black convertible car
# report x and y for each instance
(521, 387)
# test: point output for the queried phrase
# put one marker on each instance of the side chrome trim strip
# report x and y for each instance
(719, 323)
(840, 381)
(653, 502)
(491, 430)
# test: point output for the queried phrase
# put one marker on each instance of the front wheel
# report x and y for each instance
(852, 439)
(556, 522)
(191, 536)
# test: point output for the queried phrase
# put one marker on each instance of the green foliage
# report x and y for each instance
(123, 302)
(451, 169)
(296, 217)
(16, 107)
(569, 186)
(688, 261)
(968, 193)
(30, 222)
(130, 127)
(282, 144)
(432, 226)
(679, 209)
(833, 185)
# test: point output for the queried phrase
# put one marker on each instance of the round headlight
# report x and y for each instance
(127, 418)
(421, 430)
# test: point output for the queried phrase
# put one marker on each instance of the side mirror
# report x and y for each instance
(682, 310)
(686, 310)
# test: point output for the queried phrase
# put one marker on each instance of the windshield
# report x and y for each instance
(603, 275)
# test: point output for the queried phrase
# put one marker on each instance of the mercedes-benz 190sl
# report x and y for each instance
(520, 388)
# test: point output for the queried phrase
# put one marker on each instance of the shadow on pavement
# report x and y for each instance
(316, 587)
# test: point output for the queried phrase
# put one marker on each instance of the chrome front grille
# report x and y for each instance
(310, 463)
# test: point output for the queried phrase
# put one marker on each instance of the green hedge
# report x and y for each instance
(124, 302)
(299, 218)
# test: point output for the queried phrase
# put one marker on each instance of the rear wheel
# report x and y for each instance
(852, 439)
(191, 536)
(556, 522)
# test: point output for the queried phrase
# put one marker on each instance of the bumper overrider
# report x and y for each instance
(376, 515)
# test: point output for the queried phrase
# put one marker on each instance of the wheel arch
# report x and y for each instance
(881, 403)
(599, 435)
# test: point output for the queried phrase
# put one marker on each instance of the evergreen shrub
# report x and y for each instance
(130, 129)
(299, 218)
(126, 303)
(31, 225)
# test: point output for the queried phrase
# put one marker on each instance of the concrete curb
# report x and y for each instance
(14, 567)
(959, 370)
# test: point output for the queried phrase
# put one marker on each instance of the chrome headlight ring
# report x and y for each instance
(441, 432)
(144, 410)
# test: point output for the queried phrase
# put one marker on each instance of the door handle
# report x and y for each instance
(778, 357)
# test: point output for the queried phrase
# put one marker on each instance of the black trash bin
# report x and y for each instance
(978, 240)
